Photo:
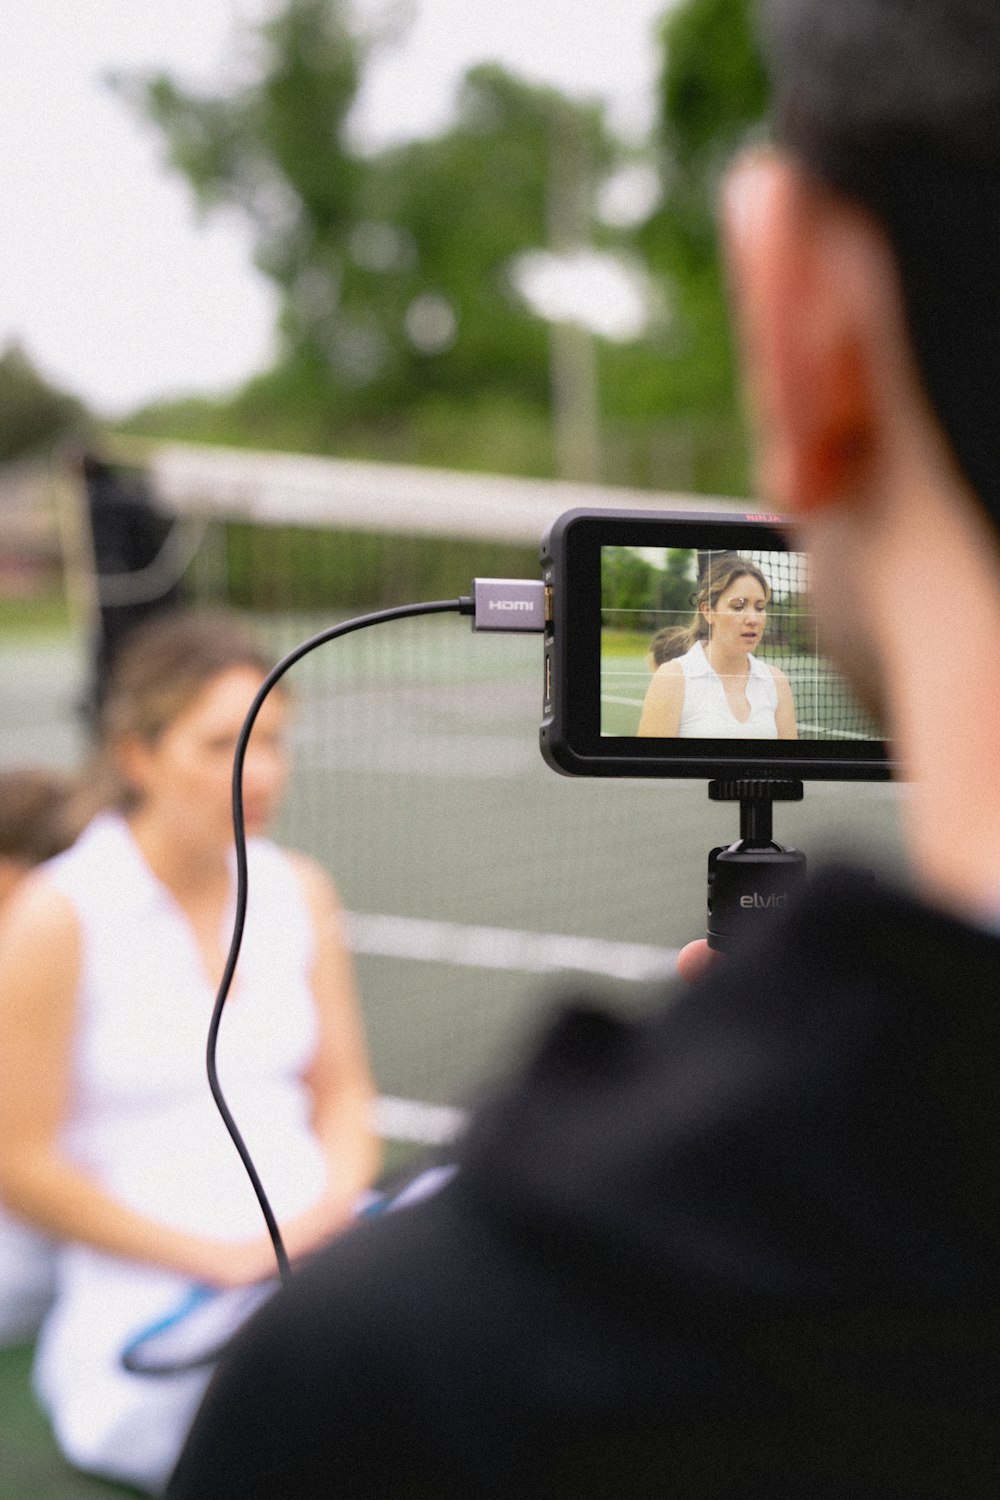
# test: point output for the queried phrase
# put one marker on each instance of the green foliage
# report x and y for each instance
(623, 644)
(632, 581)
(626, 579)
(394, 269)
(402, 334)
(676, 590)
(274, 146)
(714, 88)
(35, 614)
(466, 204)
(485, 434)
(33, 414)
(713, 98)
(305, 568)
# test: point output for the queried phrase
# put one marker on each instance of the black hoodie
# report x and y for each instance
(745, 1245)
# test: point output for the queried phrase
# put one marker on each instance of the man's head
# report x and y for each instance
(863, 252)
(896, 103)
(865, 264)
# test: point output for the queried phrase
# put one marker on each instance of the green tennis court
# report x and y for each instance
(31, 1467)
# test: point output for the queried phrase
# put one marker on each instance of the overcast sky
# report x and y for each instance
(106, 277)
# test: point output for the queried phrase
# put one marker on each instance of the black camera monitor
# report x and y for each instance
(685, 645)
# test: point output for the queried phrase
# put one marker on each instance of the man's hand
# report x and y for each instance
(696, 959)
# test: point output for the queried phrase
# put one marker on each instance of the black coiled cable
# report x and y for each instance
(441, 606)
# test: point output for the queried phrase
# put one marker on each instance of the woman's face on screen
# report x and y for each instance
(740, 614)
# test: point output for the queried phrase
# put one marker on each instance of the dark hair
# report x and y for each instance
(160, 671)
(723, 569)
(896, 103)
(35, 821)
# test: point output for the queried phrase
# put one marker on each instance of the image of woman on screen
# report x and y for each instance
(707, 682)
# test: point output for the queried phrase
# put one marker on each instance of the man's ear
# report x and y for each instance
(804, 285)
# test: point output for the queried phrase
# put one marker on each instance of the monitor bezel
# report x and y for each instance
(571, 737)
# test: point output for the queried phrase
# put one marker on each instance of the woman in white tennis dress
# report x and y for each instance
(109, 965)
(708, 684)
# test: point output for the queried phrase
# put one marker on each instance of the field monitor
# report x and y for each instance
(686, 645)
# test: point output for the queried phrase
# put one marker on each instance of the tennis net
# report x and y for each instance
(479, 887)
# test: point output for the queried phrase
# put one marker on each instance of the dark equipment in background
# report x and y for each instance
(131, 540)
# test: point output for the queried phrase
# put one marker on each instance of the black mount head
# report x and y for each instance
(755, 876)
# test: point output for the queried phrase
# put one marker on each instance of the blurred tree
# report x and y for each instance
(406, 331)
(33, 414)
(714, 93)
(395, 268)
(676, 589)
(628, 582)
(468, 203)
(632, 581)
(712, 97)
(274, 148)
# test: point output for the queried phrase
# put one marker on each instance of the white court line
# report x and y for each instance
(413, 1120)
(505, 948)
(822, 732)
(486, 948)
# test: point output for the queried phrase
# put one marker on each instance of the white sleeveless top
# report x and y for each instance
(706, 713)
(142, 1117)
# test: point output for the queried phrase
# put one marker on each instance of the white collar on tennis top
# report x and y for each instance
(700, 666)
